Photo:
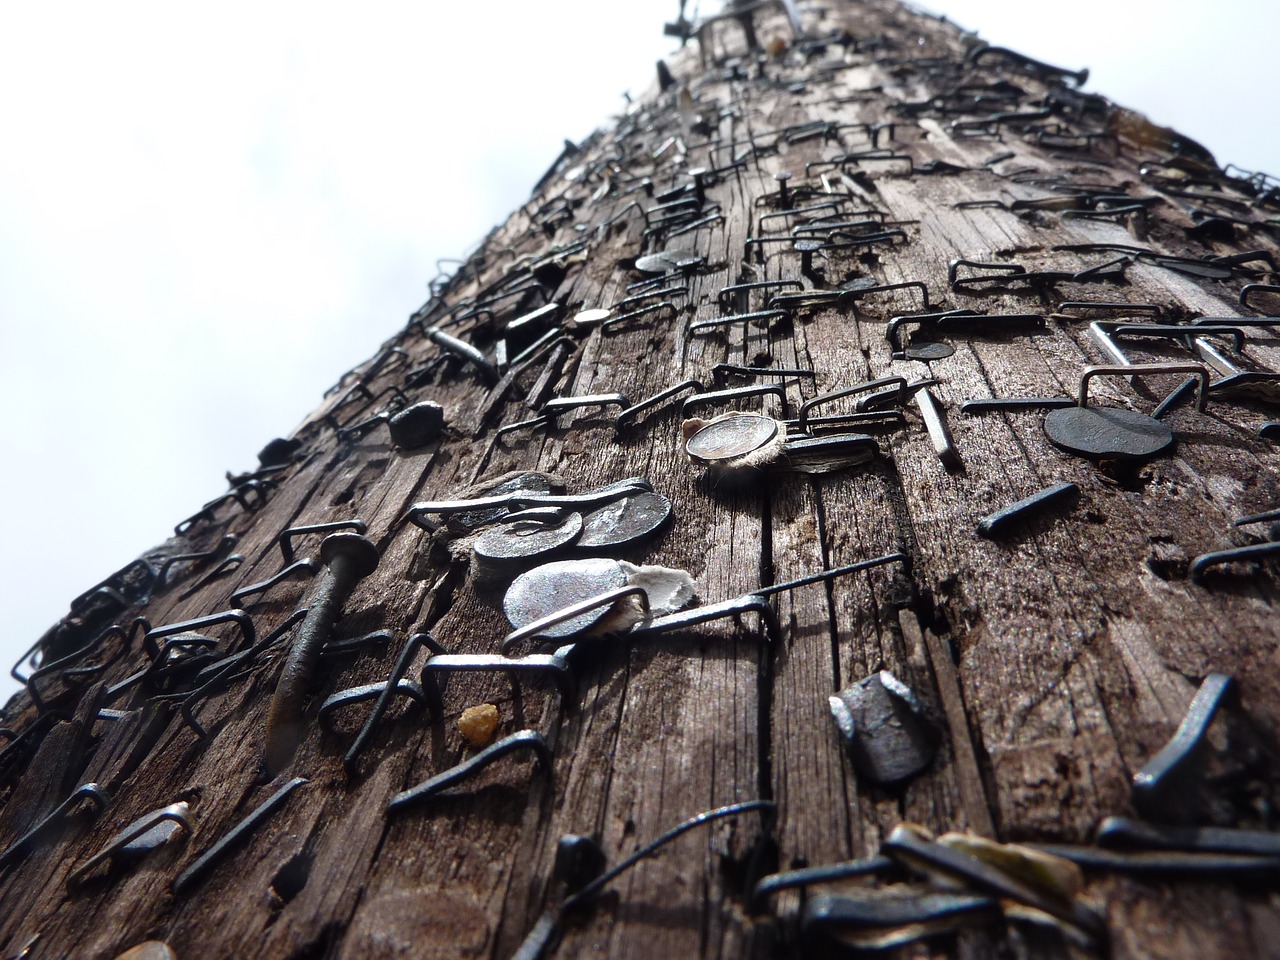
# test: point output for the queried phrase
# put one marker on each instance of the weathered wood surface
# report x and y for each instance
(1056, 661)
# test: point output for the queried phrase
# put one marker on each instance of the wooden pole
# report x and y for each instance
(1053, 655)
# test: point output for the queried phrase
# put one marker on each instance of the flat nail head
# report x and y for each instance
(1107, 433)
(626, 521)
(730, 437)
(418, 425)
(554, 586)
(360, 550)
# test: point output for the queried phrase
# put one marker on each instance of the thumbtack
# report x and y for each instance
(413, 427)
(806, 249)
(784, 195)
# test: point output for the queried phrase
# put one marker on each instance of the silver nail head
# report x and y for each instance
(928, 350)
(663, 262)
(1107, 433)
(589, 319)
(521, 537)
(626, 521)
(730, 437)
(553, 586)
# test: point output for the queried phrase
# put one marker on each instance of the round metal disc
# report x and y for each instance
(521, 537)
(587, 319)
(731, 437)
(625, 521)
(521, 483)
(926, 350)
(662, 262)
(1107, 433)
(554, 586)
(807, 246)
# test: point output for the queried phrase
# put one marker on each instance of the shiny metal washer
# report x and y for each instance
(731, 437)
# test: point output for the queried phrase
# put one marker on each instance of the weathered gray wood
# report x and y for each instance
(1054, 661)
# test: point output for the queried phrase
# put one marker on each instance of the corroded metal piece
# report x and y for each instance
(884, 728)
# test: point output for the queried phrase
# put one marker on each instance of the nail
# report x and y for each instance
(350, 558)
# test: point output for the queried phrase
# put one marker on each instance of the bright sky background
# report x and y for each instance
(207, 214)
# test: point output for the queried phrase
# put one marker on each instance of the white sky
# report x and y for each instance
(208, 214)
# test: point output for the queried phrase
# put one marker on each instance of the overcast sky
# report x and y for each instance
(207, 214)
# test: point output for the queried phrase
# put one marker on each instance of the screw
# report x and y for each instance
(350, 558)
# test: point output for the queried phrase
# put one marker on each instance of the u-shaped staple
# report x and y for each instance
(529, 740)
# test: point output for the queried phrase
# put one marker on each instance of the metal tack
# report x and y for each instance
(552, 587)
(731, 437)
(624, 522)
(529, 533)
